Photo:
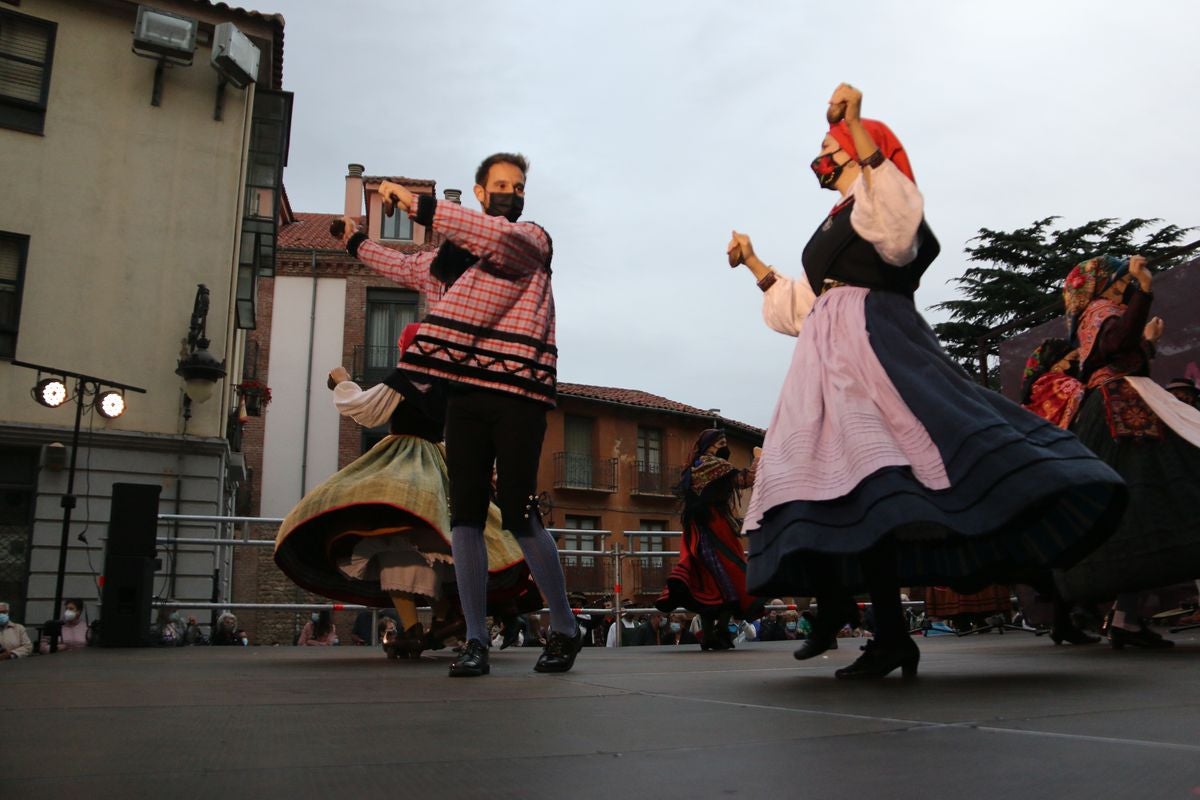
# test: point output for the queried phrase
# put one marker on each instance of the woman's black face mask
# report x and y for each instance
(722, 452)
(827, 170)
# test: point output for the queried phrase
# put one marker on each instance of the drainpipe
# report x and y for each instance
(312, 331)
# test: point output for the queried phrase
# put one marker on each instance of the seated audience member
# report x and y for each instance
(14, 641)
(225, 634)
(72, 629)
(193, 634)
(319, 631)
(360, 634)
(678, 631)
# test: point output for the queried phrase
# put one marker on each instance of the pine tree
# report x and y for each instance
(1019, 276)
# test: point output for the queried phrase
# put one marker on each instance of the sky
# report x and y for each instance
(654, 128)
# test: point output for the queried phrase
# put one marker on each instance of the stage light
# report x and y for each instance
(110, 403)
(50, 392)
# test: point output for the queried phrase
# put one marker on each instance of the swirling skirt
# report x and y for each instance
(1158, 542)
(382, 525)
(880, 435)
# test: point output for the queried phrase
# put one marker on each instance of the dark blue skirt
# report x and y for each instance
(1158, 542)
(1025, 496)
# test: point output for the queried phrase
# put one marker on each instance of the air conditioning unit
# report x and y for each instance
(234, 56)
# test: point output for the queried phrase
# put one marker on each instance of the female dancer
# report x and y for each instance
(883, 461)
(710, 577)
(1137, 428)
(378, 531)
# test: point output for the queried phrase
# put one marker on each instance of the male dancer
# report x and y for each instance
(490, 333)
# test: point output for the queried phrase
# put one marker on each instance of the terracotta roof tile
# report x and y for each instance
(640, 399)
(311, 232)
(399, 179)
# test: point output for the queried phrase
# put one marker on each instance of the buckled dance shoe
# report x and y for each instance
(560, 651)
(877, 661)
(1142, 637)
(813, 646)
(1071, 635)
(472, 662)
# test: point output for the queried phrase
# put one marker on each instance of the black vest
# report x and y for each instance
(836, 251)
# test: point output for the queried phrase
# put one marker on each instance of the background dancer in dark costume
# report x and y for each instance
(378, 533)
(884, 462)
(490, 334)
(1123, 419)
(710, 577)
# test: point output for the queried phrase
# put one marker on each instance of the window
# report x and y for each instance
(388, 311)
(397, 226)
(13, 250)
(650, 477)
(577, 438)
(270, 132)
(653, 544)
(26, 53)
(580, 541)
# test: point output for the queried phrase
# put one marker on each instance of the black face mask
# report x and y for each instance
(722, 453)
(1127, 295)
(505, 204)
(827, 170)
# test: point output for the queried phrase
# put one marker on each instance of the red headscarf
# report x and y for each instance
(884, 138)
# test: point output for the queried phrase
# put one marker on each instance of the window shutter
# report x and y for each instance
(24, 47)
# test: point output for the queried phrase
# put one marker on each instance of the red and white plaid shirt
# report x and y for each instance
(494, 327)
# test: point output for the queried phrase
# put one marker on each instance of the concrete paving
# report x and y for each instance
(990, 716)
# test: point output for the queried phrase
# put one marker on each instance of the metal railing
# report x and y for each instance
(574, 471)
(597, 572)
(654, 480)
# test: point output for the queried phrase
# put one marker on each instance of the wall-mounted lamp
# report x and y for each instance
(199, 369)
(235, 58)
(168, 38)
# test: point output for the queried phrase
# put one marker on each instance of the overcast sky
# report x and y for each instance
(653, 128)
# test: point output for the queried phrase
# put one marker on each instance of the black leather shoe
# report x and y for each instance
(560, 651)
(473, 661)
(877, 661)
(1072, 635)
(406, 644)
(814, 646)
(1142, 637)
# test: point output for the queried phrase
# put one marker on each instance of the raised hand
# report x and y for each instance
(1140, 272)
(1153, 330)
(846, 103)
(393, 195)
(739, 249)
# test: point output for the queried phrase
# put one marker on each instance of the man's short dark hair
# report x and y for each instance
(516, 159)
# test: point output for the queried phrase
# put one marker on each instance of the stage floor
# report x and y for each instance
(990, 716)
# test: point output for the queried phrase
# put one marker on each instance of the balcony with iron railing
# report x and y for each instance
(574, 471)
(372, 363)
(651, 479)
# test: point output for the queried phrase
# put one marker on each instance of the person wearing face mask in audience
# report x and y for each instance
(225, 633)
(490, 333)
(710, 576)
(679, 631)
(14, 639)
(319, 631)
(884, 463)
(73, 632)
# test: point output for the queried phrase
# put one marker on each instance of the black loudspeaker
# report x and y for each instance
(133, 520)
(125, 604)
(129, 565)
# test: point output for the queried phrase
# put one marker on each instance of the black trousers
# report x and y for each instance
(486, 428)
